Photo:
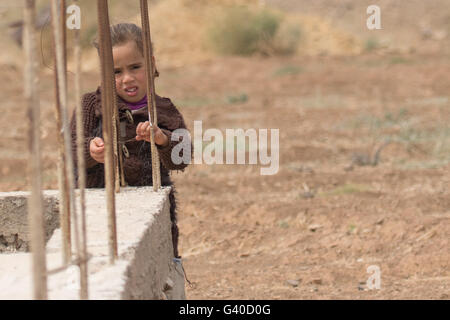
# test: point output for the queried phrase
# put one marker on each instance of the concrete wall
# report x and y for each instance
(145, 268)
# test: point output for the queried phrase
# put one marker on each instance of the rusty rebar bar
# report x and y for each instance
(152, 116)
(108, 102)
(69, 193)
(58, 24)
(35, 203)
(116, 151)
(75, 262)
(64, 199)
(84, 290)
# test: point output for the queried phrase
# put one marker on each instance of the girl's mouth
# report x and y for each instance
(131, 91)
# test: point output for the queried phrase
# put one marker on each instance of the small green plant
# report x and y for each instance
(235, 99)
(287, 70)
(88, 36)
(351, 229)
(283, 224)
(371, 44)
(287, 39)
(243, 32)
(435, 142)
(391, 118)
(388, 120)
(399, 60)
(348, 188)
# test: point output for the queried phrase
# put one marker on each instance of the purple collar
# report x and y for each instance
(137, 105)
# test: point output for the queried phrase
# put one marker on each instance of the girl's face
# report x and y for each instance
(129, 70)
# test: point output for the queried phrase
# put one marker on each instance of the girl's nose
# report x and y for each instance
(127, 77)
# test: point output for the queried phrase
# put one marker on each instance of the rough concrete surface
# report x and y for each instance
(14, 219)
(145, 268)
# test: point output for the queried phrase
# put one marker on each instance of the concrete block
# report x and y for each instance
(145, 268)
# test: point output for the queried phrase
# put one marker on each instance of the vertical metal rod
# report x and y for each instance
(64, 200)
(62, 21)
(35, 203)
(108, 102)
(148, 55)
(58, 7)
(117, 153)
(63, 37)
(122, 175)
(84, 289)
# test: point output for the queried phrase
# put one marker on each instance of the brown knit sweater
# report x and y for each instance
(137, 166)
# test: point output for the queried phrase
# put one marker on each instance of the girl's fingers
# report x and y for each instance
(138, 129)
(98, 142)
(146, 129)
(98, 153)
(96, 146)
(143, 130)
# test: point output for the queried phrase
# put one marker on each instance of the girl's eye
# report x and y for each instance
(135, 67)
(116, 71)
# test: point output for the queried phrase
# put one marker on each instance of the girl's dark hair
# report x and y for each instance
(122, 33)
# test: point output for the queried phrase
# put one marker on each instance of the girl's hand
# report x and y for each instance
(97, 149)
(143, 133)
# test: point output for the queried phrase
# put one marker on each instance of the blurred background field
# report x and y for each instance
(187, 31)
(364, 140)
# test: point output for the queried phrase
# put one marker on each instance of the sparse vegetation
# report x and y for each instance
(399, 60)
(283, 224)
(287, 39)
(237, 98)
(287, 70)
(347, 188)
(403, 129)
(241, 31)
(435, 142)
(389, 119)
(371, 45)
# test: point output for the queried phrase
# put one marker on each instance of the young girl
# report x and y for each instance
(134, 131)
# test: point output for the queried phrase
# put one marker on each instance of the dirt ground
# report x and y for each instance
(311, 230)
(318, 221)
